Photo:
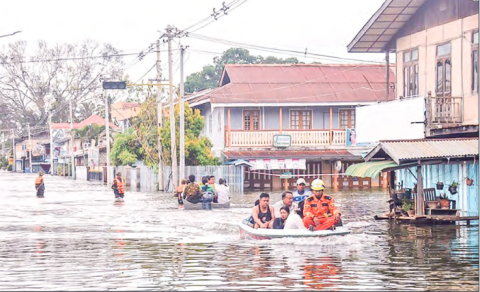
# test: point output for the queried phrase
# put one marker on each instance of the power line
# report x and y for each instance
(277, 50)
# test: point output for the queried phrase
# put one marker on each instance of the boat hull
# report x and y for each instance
(246, 232)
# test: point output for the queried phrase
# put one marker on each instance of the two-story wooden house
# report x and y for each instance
(436, 48)
(291, 121)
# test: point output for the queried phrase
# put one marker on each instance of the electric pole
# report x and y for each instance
(182, 117)
(72, 140)
(51, 141)
(159, 120)
(13, 151)
(172, 111)
(29, 149)
(107, 127)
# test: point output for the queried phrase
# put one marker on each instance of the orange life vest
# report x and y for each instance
(180, 188)
(120, 185)
(39, 180)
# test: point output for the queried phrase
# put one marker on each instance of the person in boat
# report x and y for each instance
(118, 186)
(287, 200)
(250, 221)
(193, 191)
(40, 185)
(288, 220)
(263, 214)
(223, 192)
(180, 190)
(300, 194)
(320, 212)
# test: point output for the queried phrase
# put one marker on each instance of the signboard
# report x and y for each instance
(287, 174)
(282, 141)
(351, 139)
(93, 157)
(270, 164)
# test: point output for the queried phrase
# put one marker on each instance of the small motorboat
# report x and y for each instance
(247, 232)
(198, 206)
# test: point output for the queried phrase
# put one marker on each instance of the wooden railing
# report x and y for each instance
(445, 110)
(264, 138)
(339, 137)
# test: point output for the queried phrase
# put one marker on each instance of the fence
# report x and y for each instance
(145, 179)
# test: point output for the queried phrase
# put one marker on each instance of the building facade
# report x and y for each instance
(290, 121)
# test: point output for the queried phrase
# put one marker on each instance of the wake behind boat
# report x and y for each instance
(261, 233)
(198, 206)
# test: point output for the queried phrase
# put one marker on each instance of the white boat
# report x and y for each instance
(198, 206)
(261, 233)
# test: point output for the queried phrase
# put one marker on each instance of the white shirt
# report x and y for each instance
(298, 198)
(278, 205)
(294, 222)
(223, 193)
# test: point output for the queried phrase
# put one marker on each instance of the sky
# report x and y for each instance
(320, 26)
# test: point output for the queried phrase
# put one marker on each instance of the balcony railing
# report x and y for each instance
(264, 138)
(445, 110)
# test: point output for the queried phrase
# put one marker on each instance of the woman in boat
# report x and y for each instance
(288, 220)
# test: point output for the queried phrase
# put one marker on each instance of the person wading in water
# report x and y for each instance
(40, 185)
(118, 187)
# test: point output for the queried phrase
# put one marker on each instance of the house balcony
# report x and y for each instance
(445, 111)
(264, 138)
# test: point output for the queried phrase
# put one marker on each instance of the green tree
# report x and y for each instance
(126, 148)
(197, 149)
(211, 74)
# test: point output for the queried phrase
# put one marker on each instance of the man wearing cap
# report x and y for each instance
(320, 212)
(301, 193)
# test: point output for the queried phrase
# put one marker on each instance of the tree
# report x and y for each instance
(125, 149)
(55, 75)
(197, 148)
(211, 74)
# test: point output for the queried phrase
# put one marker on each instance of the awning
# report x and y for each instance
(369, 169)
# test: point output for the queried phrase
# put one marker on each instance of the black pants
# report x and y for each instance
(118, 195)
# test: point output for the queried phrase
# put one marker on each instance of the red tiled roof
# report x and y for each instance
(94, 119)
(295, 83)
(312, 154)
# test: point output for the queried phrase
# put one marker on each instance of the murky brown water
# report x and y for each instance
(77, 238)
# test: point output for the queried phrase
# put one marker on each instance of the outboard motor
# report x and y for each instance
(207, 200)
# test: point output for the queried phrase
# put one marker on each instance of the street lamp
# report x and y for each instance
(1, 36)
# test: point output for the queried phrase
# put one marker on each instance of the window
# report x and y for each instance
(410, 73)
(219, 126)
(444, 70)
(347, 118)
(300, 120)
(24, 147)
(251, 120)
(210, 123)
(475, 61)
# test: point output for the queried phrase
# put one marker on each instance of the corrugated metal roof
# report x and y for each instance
(422, 149)
(369, 169)
(383, 25)
(333, 154)
(264, 83)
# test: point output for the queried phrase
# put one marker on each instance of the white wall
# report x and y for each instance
(215, 130)
(391, 120)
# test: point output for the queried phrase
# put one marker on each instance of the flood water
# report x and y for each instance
(77, 238)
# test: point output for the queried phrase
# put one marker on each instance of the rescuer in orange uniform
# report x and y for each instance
(319, 211)
(40, 185)
(118, 186)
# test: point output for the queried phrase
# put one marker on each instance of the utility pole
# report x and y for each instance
(73, 140)
(182, 117)
(13, 151)
(107, 128)
(159, 120)
(30, 149)
(172, 111)
(51, 141)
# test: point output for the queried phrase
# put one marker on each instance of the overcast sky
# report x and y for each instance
(322, 26)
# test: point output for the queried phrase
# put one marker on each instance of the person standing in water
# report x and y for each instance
(40, 185)
(118, 186)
